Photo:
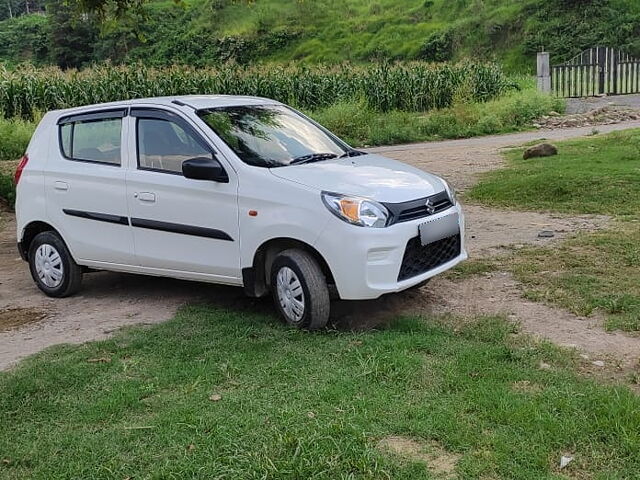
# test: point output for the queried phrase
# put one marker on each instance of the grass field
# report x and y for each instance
(209, 32)
(220, 394)
(597, 272)
(594, 175)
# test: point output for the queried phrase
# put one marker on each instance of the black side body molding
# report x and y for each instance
(182, 229)
(101, 217)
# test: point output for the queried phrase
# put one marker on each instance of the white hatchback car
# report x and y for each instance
(234, 190)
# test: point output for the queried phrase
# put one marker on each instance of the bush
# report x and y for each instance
(7, 189)
(14, 137)
(438, 47)
(352, 121)
(512, 112)
(360, 125)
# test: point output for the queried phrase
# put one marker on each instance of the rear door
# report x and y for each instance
(85, 187)
(179, 224)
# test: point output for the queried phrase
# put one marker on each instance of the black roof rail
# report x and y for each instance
(182, 104)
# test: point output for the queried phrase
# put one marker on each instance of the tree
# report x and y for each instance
(17, 8)
(103, 9)
(71, 36)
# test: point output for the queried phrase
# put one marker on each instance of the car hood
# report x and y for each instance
(371, 176)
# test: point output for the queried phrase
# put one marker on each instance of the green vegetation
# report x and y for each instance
(360, 125)
(14, 137)
(355, 122)
(594, 175)
(471, 268)
(209, 32)
(7, 189)
(25, 39)
(223, 394)
(591, 272)
(409, 87)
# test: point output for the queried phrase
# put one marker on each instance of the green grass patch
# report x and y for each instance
(227, 395)
(595, 175)
(361, 125)
(588, 273)
(471, 268)
(598, 272)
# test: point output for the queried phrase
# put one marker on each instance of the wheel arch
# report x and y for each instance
(29, 232)
(256, 279)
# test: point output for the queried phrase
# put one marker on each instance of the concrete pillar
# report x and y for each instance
(544, 72)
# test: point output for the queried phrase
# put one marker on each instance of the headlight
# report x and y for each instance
(356, 210)
(451, 192)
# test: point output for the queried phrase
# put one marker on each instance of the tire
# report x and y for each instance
(52, 267)
(300, 275)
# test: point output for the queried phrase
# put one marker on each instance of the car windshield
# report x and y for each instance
(272, 135)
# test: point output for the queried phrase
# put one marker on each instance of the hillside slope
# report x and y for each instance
(204, 32)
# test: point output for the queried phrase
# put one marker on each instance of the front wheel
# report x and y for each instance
(300, 290)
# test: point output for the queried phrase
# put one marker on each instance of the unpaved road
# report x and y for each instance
(583, 105)
(30, 322)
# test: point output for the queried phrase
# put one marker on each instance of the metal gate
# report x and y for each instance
(597, 71)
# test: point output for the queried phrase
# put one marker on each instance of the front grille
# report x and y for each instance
(419, 259)
(413, 209)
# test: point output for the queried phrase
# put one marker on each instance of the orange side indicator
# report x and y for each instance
(253, 213)
(350, 209)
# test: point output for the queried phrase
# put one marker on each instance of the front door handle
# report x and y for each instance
(63, 186)
(149, 197)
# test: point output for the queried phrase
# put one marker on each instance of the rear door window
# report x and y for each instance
(92, 140)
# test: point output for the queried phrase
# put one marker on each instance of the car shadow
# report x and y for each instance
(346, 315)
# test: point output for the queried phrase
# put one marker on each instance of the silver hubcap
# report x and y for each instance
(49, 265)
(290, 294)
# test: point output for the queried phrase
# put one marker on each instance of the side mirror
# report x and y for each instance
(203, 168)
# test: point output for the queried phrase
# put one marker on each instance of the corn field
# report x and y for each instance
(408, 86)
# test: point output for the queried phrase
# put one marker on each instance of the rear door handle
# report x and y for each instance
(149, 197)
(63, 186)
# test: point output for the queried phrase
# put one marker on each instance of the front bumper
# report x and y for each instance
(366, 262)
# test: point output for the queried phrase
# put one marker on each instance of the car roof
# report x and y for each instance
(197, 102)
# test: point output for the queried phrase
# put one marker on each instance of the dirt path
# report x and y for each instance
(30, 322)
(583, 105)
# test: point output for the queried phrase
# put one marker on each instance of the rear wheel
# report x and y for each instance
(300, 290)
(52, 267)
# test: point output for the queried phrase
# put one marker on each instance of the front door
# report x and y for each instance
(179, 224)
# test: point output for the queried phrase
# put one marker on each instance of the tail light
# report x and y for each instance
(21, 165)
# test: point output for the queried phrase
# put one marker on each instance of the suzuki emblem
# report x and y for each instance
(430, 208)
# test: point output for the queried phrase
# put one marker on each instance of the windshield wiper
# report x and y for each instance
(312, 157)
(352, 153)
